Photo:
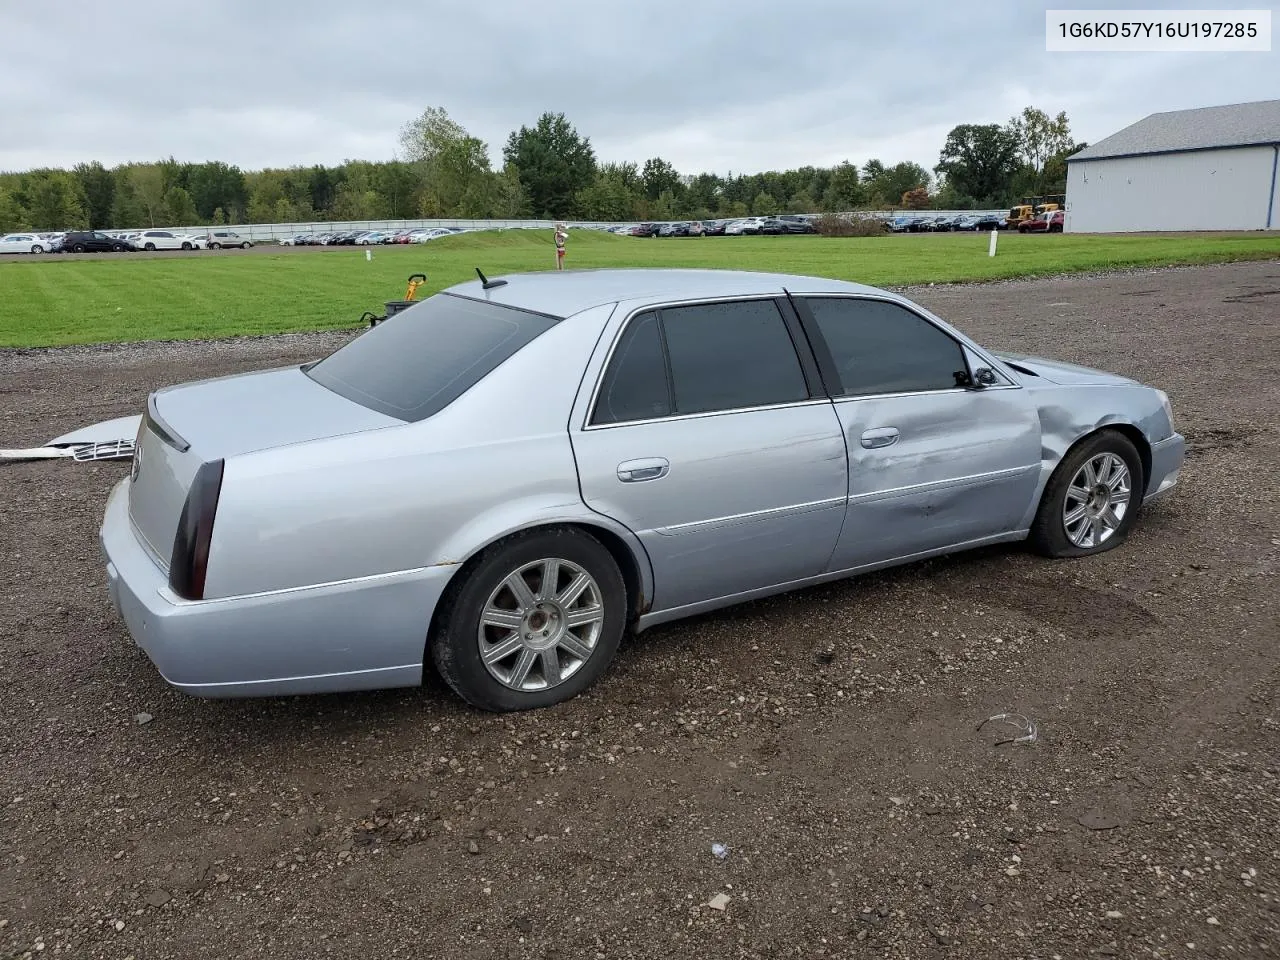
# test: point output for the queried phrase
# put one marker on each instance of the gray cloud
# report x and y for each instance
(723, 85)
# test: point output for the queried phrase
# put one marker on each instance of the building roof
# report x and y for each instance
(1205, 128)
(564, 293)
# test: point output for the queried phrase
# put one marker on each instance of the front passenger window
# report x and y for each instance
(880, 347)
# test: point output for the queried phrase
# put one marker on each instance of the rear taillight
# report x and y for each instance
(190, 560)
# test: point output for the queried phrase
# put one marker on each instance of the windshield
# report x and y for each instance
(418, 361)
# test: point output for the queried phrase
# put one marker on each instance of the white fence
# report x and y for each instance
(267, 232)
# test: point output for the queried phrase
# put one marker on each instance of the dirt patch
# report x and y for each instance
(828, 739)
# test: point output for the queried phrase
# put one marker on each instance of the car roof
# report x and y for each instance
(562, 293)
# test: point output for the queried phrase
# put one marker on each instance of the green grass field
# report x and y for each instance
(69, 301)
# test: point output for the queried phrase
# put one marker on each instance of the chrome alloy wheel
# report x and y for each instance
(540, 625)
(1097, 500)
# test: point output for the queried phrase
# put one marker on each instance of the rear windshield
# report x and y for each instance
(418, 361)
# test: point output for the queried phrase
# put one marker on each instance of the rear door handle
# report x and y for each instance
(880, 437)
(651, 468)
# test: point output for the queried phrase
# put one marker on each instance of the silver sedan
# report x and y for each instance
(505, 478)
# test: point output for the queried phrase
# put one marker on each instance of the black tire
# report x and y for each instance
(78, 248)
(37, 249)
(454, 645)
(185, 245)
(1048, 531)
(215, 246)
(117, 248)
(244, 246)
(149, 247)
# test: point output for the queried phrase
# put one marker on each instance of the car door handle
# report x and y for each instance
(652, 468)
(880, 437)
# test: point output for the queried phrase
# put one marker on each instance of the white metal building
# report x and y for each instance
(1213, 168)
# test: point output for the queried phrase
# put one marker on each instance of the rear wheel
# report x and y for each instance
(149, 246)
(215, 246)
(185, 245)
(1092, 499)
(37, 249)
(244, 246)
(117, 248)
(536, 620)
(78, 248)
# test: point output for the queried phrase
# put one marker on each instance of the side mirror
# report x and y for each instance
(984, 376)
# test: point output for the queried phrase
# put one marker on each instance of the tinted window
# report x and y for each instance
(420, 360)
(635, 385)
(729, 355)
(880, 347)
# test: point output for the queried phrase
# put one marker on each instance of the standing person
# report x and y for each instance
(561, 235)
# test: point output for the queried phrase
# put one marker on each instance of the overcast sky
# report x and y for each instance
(721, 85)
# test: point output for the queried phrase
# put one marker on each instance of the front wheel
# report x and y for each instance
(215, 246)
(244, 246)
(536, 620)
(149, 247)
(1092, 499)
(37, 249)
(186, 246)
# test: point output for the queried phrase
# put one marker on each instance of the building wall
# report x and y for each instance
(1227, 189)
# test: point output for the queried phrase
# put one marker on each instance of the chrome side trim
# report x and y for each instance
(176, 601)
(305, 677)
(942, 484)
(678, 528)
(710, 413)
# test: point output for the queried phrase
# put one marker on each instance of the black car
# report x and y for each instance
(646, 230)
(714, 228)
(990, 221)
(92, 241)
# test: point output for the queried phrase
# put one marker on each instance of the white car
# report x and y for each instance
(745, 225)
(23, 243)
(432, 234)
(165, 240)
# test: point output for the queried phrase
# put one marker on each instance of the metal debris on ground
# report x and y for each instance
(1024, 725)
(109, 440)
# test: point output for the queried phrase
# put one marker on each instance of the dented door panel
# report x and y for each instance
(961, 465)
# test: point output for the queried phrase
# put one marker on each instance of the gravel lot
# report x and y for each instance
(829, 738)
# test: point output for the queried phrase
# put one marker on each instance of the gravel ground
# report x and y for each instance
(829, 739)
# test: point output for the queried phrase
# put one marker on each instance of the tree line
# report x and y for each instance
(549, 170)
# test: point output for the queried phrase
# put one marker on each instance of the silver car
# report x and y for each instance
(508, 476)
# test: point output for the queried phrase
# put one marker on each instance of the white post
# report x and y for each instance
(991, 249)
(368, 254)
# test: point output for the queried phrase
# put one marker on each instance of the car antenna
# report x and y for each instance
(486, 282)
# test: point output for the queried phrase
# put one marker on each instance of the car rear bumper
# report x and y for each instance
(1166, 461)
(359, 634)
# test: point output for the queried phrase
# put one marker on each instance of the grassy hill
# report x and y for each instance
(218, 294)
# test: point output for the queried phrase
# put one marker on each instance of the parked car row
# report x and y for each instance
(930, 223)
(96, 241)
(368, 237)
(787, 223)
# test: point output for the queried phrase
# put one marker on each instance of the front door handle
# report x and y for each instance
(651, 468)
(880, 437)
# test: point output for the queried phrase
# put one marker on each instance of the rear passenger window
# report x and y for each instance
(725, 356)
(635, 385)
(880, 347)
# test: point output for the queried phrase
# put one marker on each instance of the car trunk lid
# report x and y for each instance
(191, 424)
